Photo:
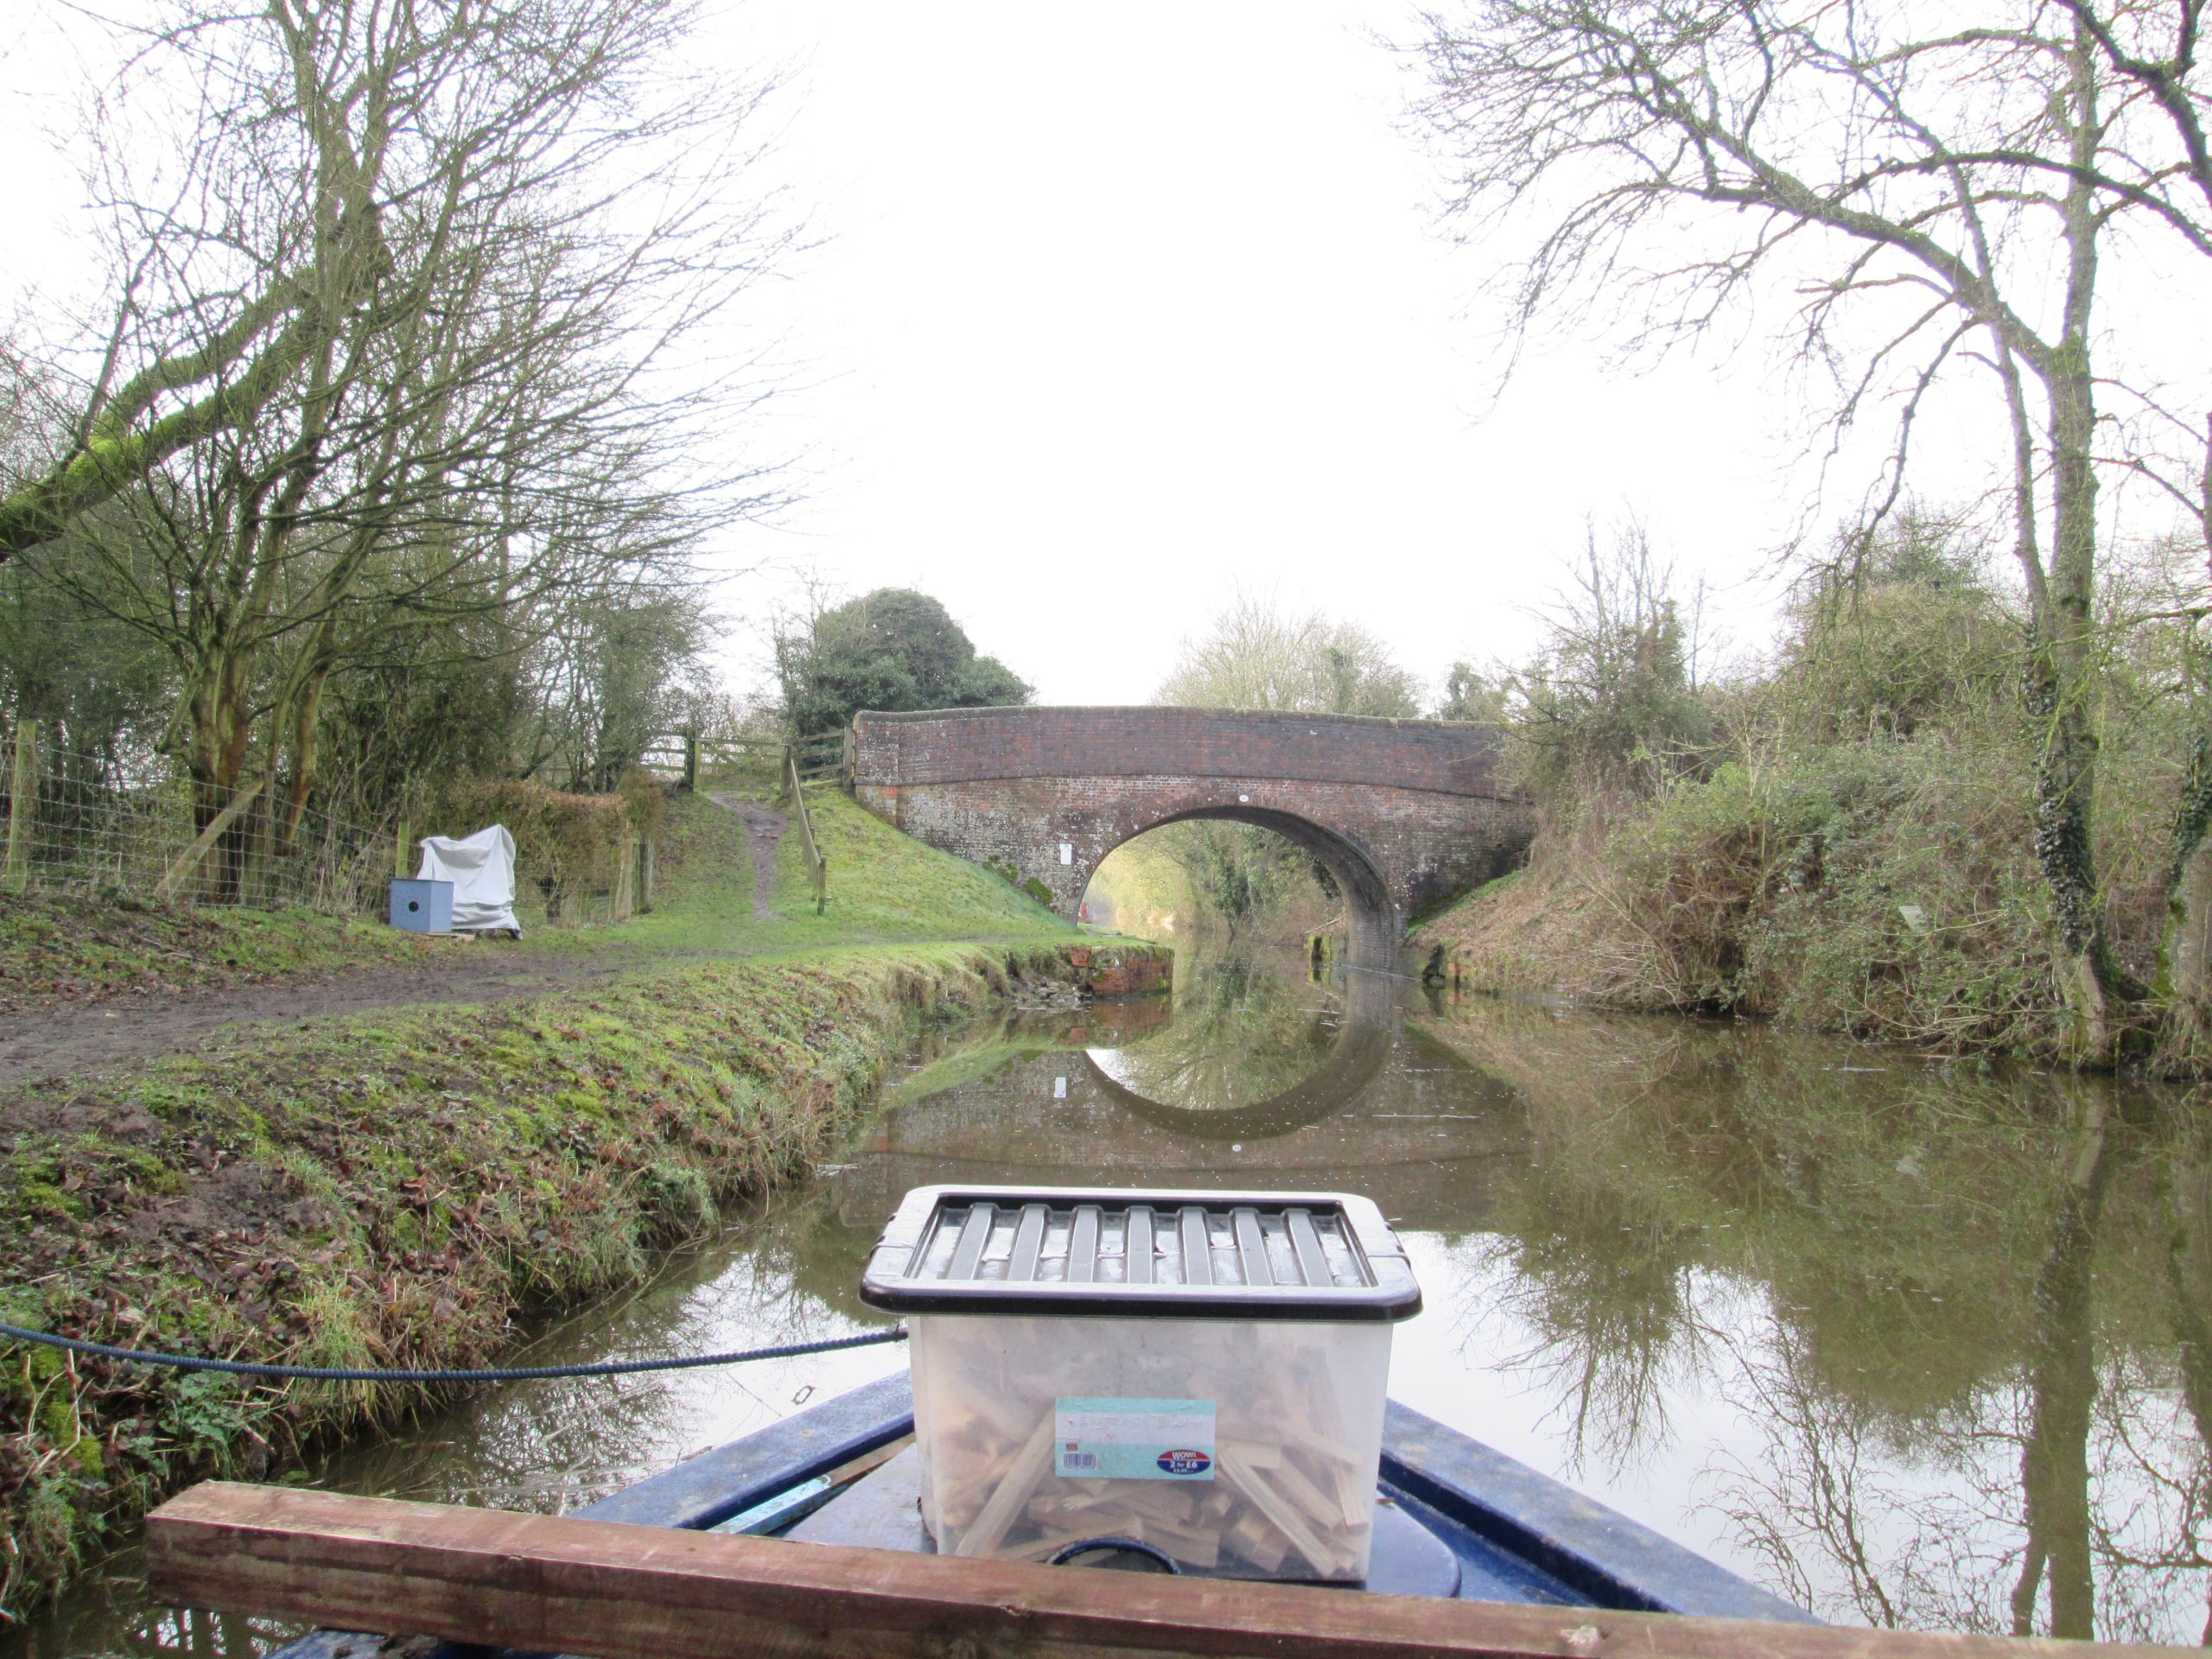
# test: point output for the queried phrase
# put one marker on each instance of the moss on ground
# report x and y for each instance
(396, 1190)
(68, 948)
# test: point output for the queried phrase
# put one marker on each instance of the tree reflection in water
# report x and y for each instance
(1242, 1035)
(1604, 1288)
(1916, 1345)
(1963, 1321)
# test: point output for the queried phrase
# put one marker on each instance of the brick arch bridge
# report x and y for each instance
(1404, 813)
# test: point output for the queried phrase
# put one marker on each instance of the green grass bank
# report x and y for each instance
(884, 887)
(65, 948)
(406, 1188)
(1882, 889)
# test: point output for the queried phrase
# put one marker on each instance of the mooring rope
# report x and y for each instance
(493, 1374)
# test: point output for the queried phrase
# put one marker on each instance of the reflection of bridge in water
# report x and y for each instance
(1388, 1113)
(1363, 1029)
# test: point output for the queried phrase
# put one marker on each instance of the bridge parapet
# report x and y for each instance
(973, 745)
(1403, 812)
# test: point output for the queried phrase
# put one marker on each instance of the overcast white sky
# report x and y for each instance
(1124, 307)
(1117, 309)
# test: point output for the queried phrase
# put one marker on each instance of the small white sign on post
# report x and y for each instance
(1067, 851)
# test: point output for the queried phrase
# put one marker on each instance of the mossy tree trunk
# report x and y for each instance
(2185, 951)
(2065, 669)
(2063, 674)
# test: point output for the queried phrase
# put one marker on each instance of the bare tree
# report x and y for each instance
(2156, 46)
(1940, 202)
(407, 335)
(1611, 702)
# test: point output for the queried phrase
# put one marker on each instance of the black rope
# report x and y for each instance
(499, 1373)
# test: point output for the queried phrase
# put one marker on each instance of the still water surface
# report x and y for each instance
(1909, 1343)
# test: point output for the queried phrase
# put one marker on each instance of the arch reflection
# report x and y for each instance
(1252, 1053)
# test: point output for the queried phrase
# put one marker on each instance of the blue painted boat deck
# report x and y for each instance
(1519, 1535)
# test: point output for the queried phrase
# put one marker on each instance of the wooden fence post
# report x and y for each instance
(22, 806)
(261, 827)
(646, 851)
(691, 759)
(818, 868)
(623, 901)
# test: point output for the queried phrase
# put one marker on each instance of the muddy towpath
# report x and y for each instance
(88, 989)
(62, 1039)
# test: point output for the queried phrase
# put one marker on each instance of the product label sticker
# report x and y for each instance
(1133, 1439)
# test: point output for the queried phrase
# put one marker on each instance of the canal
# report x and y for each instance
(1909, 1341)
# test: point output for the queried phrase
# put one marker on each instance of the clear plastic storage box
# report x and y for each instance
(1202, 1372)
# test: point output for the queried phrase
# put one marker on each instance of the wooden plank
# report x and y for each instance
(623, 900)
(572, 1585)
(187, 861)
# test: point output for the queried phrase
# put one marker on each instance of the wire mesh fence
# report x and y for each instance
(124, 827)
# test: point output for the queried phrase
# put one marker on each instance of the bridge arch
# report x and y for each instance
(1407, 812)
(1370, 913)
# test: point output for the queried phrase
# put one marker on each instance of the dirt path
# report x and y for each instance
(764, 828)
(59, 1039)
(56, 1039)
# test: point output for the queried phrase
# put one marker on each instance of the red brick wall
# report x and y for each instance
(1407, 813)
(966, 745)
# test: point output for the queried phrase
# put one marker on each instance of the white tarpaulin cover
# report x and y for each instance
(481, 868)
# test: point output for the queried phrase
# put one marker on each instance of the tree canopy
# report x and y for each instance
(892, 649)
(1939, 203)
(1258, 656)
(393, 438)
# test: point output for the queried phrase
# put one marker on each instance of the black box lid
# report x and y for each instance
(1161, 1252)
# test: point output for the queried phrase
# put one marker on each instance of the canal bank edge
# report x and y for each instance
(397, 1192)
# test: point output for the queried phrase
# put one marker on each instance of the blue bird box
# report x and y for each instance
(422, 906)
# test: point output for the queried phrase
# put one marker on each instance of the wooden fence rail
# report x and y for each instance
(561, 1584)
(187, 864)
(689, 755)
